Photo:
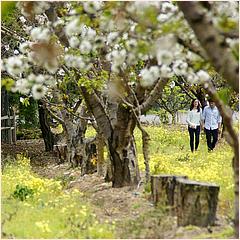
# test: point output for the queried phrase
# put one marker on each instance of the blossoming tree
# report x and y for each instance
(121, 55)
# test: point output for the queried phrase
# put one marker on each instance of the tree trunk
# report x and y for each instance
(100, 155)
(236, 191)
(196, 202)
(47, 134)
(124, 160)
(109, 169)
(119, 138)
(123, 150)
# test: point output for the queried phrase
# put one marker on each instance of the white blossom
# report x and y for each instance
(74, 42)
(22, 85)
(85, 46)
(180, 67)
(92, 6)
(16, 52)
(40, 78)
(203, 76)
(192, 78)
(162, 17)
(40, 34)
(149, 76)
(111, 37)
(75, 61)
(23, 47)
(61, 72)
(172, 84)
(91, 34)
(16, 65)
(22, 19)
(58, 23)
(164, 57)
(73, 27)
(38, 91)
(6, 47)
(131, 43)
(118, 57)
(165, 71)
(168, 7)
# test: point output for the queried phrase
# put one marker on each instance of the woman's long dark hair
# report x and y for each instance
(192, 105)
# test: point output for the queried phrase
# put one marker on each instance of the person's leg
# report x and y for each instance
(197, 133)
(208, 137)
(215, 137)
(191, 134)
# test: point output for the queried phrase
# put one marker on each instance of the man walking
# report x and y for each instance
(212, 122)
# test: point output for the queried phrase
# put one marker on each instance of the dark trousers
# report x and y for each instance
(212, 137)
(192, 132)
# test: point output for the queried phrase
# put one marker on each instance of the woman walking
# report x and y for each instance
(194, 121)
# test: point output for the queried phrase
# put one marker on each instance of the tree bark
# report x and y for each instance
(47, 134)
(196, 202)
(123, 151)
(163, 189)
(100, 155)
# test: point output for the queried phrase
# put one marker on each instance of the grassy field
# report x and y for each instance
(46, 210)
(170, 154)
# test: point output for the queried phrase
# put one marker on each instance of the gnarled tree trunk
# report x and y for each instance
(123, 151)
(47, 134)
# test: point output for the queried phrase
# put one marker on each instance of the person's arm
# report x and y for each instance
(201, 121)
(219, 122)
(188, 120)
(203, 117)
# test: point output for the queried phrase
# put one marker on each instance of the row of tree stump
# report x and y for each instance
(194, 203)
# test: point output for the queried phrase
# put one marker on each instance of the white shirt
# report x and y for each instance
(211, 118)
(194, 117)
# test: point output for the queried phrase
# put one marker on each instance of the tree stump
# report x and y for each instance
(196, 202)
(163, 189)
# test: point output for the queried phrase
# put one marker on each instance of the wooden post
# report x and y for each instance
(196, 202)
(163, 189)
(9, 130)
(14, 132)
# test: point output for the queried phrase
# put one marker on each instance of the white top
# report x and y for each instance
(211, 118)
(194, 117)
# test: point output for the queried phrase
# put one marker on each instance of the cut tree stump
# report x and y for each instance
(196, 202)
(163, 188)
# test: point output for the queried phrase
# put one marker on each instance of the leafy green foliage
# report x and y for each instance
(22, 192)
(7, 9)
(7, 83)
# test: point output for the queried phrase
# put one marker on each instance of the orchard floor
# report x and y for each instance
(130, 208)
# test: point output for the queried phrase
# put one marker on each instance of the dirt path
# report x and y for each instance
(130, 208)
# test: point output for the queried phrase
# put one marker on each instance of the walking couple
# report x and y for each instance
(209, 119)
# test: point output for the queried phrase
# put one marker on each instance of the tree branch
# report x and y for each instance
(95, 106)
(212, 41)
(154, 95)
